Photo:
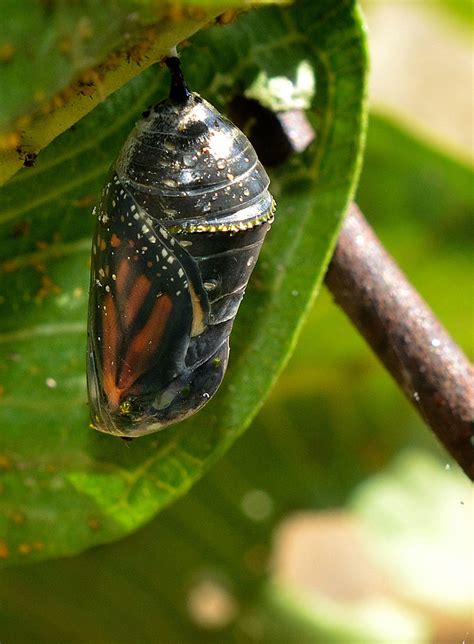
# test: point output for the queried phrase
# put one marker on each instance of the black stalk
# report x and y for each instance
(179, 92)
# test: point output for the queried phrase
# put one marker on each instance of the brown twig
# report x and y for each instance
(404, 333)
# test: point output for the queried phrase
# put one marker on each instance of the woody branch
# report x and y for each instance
(404, 333)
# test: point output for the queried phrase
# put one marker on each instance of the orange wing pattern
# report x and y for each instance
(143, 308)
(120, 373)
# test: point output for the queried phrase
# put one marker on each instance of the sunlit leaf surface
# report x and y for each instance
(64, 486)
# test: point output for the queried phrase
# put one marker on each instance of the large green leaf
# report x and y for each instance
(58, 60)
(48, 44)
(66, 487)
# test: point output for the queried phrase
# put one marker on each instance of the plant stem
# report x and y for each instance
(404, 333)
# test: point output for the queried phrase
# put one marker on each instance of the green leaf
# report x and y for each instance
(58, 60)
(66, 487)
(418, 513)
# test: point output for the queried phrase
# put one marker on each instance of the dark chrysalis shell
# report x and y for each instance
(180, 224)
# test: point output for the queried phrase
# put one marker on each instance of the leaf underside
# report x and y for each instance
(65, 487)
(71, 56)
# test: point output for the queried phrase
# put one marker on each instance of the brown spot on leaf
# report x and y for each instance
(20, 229)
(38, 546)
(18, 518)
(85, 201)
(48, 287)
(9, 266)
(227, 17)
(93, 523)
(5, 462)
(9, 141)
(7, 51)
(3, 549)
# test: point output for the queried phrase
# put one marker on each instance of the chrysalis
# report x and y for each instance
(180, 224)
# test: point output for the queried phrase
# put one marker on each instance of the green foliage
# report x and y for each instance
(59, 60)
(64, 486)
(421, 502)
(461, 10)
(47, 44)
(428, 203)
(334, 419)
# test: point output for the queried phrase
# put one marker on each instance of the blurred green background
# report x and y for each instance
(334, 434)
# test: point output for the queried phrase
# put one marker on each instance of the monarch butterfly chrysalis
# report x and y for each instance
(180, 224)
